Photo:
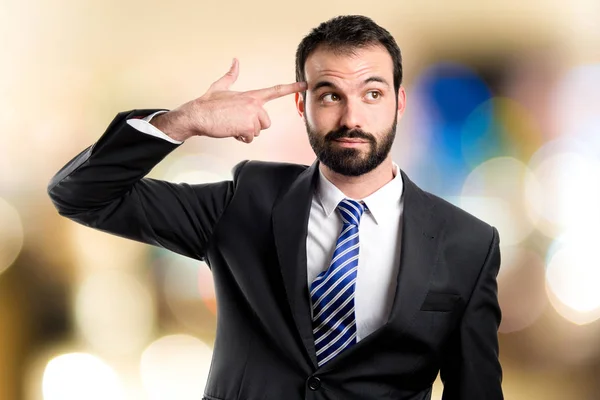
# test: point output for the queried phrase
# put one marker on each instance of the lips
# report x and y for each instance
(347, 140)
(349, 137)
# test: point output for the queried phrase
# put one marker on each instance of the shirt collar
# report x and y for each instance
(378, 203)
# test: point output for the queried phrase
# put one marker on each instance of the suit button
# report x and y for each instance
(314, 383)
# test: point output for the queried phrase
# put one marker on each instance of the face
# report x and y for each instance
(351, 108)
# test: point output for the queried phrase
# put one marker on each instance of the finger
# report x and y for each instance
(263, 119)
(248, 136)
(225, 82)
(278, 91)
(245, 137)
(256, 130)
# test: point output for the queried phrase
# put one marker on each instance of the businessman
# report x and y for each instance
(339, 280)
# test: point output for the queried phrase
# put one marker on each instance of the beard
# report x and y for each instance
(351, 161)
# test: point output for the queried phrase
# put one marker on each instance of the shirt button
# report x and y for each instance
(314, 383)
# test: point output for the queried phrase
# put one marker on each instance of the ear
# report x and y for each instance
(299, 97)
(401, 101)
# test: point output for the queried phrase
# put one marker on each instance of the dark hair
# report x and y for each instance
(345, 34)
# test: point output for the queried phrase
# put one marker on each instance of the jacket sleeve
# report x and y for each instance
(104, 188)
(470, 366)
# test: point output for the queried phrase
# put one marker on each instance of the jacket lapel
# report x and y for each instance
(421, 237)
(290, 227)
(422, 230)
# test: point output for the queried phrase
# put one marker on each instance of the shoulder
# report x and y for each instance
(265, 179)
(459, 218)
(266, 172)
(466, 228)
(468, 241)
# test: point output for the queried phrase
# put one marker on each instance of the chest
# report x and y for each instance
(378, 265)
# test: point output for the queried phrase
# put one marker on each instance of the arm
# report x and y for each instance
(470, 366)
(104, 188)
(144, 125)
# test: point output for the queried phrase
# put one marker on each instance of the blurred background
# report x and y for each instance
(503, 119)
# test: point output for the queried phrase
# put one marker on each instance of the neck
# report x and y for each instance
(359, 187)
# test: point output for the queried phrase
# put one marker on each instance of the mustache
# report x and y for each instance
(345, 133)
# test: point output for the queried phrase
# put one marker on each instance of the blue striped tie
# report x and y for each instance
(332, 292)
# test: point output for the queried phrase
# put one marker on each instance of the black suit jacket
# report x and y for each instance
(252, 230)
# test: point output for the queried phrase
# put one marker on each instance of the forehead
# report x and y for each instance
(357, 64)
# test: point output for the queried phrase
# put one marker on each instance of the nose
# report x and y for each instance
(352, 115)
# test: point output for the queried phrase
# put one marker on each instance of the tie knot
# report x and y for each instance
(351, 211)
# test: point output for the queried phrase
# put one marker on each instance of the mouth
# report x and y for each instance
(350, 142)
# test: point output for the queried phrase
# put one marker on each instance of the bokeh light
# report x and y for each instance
(206, 288)
(572, 278)
(79, 376)
(571, 192)
(445, 95)
(499, 127)
(494, 192)
(94, 250)
(11, 234)
(576, 98)
(439, 85)
(114, 312)
(588, 133)
(175, 367)
(188, 289)
(521, 289)
(197, 168)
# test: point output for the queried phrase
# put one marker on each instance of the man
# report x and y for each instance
(341, 280)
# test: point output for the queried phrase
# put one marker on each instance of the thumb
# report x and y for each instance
(228, 79)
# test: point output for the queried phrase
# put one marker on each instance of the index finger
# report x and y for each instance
(278, 91)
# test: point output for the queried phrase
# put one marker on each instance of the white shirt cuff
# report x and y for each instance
(144, 126)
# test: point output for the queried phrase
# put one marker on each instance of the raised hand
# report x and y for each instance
(221, 113)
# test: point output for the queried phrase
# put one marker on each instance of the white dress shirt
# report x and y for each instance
(379, 248)
(144, 125)
(380, 236)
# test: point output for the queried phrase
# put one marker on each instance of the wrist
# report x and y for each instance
(173, 124)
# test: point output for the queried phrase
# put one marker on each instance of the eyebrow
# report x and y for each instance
(328, 84)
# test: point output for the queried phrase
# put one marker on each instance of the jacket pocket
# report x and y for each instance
(441, 302)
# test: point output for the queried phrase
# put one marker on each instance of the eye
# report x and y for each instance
(330, 98)
(373, 95)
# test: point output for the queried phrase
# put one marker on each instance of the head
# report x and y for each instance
(353, 68)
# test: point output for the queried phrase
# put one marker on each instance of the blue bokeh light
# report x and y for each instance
(449, 93)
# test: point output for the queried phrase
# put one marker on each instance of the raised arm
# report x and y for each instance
(104, 187)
